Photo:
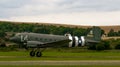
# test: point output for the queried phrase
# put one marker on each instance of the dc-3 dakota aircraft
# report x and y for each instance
(37, 41)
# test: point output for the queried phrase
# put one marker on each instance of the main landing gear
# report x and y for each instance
(33, 53)
(36, 52)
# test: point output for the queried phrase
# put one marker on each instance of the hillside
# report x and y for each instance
(105, 28)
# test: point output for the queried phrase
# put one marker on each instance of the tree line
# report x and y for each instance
(113, 33)
(47, 29)
(40, 28)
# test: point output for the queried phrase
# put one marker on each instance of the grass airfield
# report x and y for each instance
(62, 55)
(56, 66)
(24, 56)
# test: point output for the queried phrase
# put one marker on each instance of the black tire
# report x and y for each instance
(32, 53)
(38, 54)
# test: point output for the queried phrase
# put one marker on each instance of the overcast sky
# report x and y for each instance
(77, 12)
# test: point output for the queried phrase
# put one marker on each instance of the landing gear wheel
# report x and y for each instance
(32, 53)
(38, 54)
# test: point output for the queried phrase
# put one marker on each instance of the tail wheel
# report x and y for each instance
(32, 53)
(38, 54)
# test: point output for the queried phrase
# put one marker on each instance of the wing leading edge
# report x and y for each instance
(49, 44)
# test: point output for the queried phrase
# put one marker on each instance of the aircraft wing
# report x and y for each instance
(49, 44)
(57, 43)
(92, 41)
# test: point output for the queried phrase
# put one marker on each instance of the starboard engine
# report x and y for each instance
(76, 41)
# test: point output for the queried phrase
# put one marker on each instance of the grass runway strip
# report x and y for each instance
(58, 66)
(58, 56)
(74, 59)
(82, 62)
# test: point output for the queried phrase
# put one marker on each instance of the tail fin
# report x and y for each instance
(95, 34)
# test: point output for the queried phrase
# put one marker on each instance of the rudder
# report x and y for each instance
(95, 33)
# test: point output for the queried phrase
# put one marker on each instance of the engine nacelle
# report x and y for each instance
(75, 41)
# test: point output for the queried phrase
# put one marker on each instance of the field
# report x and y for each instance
(58, 66)
(108, 58)
(24, 56)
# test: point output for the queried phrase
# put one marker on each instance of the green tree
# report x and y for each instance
(102, 32)
(117, 44)
(2, 34)
(100, 47)
(111, 33)
(119, 33)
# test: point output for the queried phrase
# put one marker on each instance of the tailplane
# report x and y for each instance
(94, 34)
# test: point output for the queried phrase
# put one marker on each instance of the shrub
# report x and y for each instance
(2, 44)
(106, 44)
(100, 47)
(92, 46)
(117, 45)
(103, 45)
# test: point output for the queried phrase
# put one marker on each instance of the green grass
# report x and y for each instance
(59, 55)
